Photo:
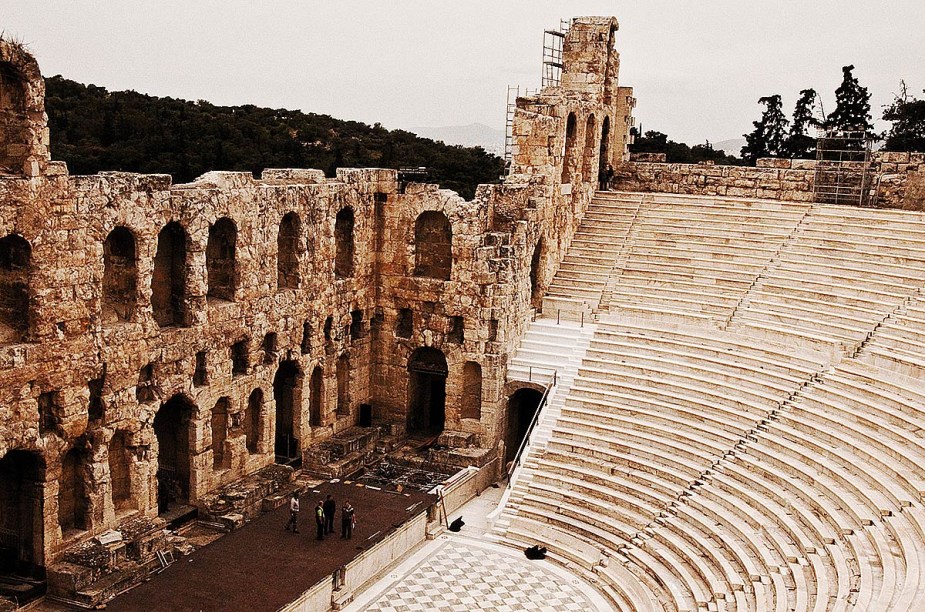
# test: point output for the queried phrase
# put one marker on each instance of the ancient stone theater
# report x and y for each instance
(699, 391)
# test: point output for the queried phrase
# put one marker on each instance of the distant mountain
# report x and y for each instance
(730, 147)
(472, 135)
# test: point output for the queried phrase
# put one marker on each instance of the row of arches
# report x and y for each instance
(571, 172)
(171, 267)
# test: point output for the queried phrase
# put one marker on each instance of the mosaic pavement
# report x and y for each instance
(463, 576)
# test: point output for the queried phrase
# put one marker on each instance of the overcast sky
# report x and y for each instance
(698, 67)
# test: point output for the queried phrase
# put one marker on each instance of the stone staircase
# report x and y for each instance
(550, 353)
(575, 292)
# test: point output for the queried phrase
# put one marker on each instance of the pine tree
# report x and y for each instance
(908, 117)
(767, 139)
(852, 111)
(799, 145)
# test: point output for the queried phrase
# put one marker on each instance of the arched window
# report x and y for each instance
(433, 245)
(568, 154)
(15, 141)
(288, 247)
(120, 276)
(343, 242)
(168, 280)
(604, 158)
(72, 491)
(219, 433)
(120, 473)
(587, 166)
(253, 421)
(472, 391)
(316, 397)
(536, 270)
(220, 259)
(15, 260)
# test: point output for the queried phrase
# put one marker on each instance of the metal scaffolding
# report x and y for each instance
(552, 54)
(843, 167)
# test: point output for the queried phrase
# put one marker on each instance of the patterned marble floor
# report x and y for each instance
(457, 574)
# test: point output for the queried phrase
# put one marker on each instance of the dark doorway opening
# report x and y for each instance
(287, 391)
(172, 429)
(427, 371)
(22, 480)
(120, 276)
(253, 421)
(536, 286)
(316, 393)
(521, 408)
(73, 498)
(168, 279)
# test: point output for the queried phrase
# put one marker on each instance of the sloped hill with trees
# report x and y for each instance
(93, 129)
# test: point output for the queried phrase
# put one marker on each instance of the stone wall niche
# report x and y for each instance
(288, 247)
(433, 245)
(343, 243)
(120, 276)
(168, 281)
(568, 154)
(15, 259)
(220, 260)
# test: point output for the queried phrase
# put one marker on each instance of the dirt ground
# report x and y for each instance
(263, 567)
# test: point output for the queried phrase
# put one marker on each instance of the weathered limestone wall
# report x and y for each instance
(164, 340)
(895, 177)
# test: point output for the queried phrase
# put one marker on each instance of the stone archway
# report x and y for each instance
(521, 408)
(427, 372)
(22, 482)
(172, 429)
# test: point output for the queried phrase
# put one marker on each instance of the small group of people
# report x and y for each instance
(324, 517)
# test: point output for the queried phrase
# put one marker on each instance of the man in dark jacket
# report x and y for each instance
(330, 507)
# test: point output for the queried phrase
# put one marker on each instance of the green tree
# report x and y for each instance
(767, 139)
(798, 144)
(678, 152)
(852, 110)
(908, 116)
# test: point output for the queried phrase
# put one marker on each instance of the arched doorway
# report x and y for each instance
(587, 165)
(288, 249)
(15, 261)
(22, 479)
(120, 473)
(287, 391)
(220, 434)
(568, 154)
(172, 429)
(73, 498)
(220, 260)
(427, 391)
(521, 408)
(168, 279)
(253, 421)
(536, 286)
(433, 245)
(343, 243)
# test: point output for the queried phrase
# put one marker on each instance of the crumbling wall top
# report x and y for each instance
(23, 124)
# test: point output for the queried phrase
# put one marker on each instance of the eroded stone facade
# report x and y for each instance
(159, 341)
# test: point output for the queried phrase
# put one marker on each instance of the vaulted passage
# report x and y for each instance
(288, 241)
(219, 433)
(587, 166)
(316, 397)
(433, 245)
(220, 259)
(343, 242)
(15, 256)
(568, 155)
(253, 421)
(172, 429)
(521, 408)
(168, 280)
(120, 473)
(287, 391)
(427, 371)
(120, 276)
(22, 476)
(73, 498)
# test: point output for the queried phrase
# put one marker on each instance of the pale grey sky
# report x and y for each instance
(698, 67)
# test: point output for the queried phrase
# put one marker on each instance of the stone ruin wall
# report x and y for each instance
(898, 178)
(101, 330)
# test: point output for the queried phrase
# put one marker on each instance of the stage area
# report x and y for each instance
(263, 567)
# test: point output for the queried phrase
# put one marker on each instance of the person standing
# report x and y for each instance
(319, 519)
(293, 513)
(347, 521)
(330, 508)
